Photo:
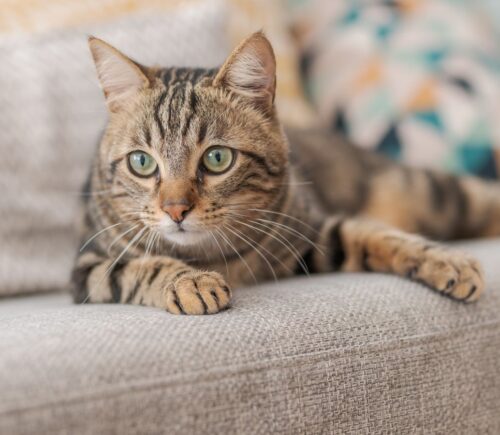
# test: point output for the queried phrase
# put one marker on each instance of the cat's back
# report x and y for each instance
(336, 170)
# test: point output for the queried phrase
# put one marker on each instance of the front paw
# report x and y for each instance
(450, 272)
(198, 293)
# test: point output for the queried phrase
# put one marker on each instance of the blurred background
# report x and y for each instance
(417, 80)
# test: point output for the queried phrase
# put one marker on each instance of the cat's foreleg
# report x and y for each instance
(362, 245)
(159, 281)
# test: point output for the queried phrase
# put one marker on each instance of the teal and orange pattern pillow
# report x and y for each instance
(418, 80)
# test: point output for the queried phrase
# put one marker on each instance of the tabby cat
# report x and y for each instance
(196, 188)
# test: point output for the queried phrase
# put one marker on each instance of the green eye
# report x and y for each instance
(218, 159)
(142, 164)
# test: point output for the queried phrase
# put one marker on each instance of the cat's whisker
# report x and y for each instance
(115, 240)
(121, 194)
(293, 218)
(132, 213)
(221, 251)
(287, 228)
(137, 214)
(99, 233)
(247, 239)
(274, 233)
(231, 245)
(135, 239)
(149, 240)
(98, 193)
(251, 242)
(144, 257)
(137, 211)
(293, 231)
(280, 238)
(290, 248)
(201, 247)
(288, 216)
(157, 243)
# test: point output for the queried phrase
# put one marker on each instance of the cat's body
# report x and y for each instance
(193, 192)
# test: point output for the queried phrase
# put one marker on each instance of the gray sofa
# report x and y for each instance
(327, 354)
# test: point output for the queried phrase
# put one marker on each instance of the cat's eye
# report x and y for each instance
(142, 164)
(218, 159)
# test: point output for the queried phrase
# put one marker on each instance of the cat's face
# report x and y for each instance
(192, 153)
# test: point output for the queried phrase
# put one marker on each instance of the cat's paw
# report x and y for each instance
(450, 272)
(198, 293)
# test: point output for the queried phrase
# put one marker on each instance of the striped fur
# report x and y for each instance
(293, 202)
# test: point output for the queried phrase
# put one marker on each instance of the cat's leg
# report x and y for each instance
(362, 245)
(158, 281)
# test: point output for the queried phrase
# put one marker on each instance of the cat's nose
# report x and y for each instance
(177, 210)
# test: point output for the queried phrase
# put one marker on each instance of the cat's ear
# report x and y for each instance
(120, 76)
(250, 71)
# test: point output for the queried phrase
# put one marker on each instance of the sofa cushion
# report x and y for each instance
(338, 353)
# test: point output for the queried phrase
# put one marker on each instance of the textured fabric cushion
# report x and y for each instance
(331, 354)
(51, 114)
(416, 80)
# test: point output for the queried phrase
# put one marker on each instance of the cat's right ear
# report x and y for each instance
(120, 77)
(250, 71)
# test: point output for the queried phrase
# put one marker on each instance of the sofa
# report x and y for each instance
(344, 353)
(341, 353)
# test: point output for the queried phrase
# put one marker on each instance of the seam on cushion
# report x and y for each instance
(231, 371)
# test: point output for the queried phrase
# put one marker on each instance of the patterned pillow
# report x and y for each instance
(418, 80)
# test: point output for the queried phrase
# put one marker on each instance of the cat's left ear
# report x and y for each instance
(120, 77)
(250, 71)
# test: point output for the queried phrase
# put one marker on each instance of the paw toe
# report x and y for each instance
(199, 293)
(452, 273)
(471, 284)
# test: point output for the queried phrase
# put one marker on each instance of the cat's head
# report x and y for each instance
(191, 151)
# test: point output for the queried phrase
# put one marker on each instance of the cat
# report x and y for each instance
(196, 188)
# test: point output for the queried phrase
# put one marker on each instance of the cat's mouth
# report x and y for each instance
(181, 235)
(186, 238)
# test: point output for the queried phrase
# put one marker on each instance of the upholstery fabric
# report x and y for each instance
(418, 80)
(51, 115)
(328, 354)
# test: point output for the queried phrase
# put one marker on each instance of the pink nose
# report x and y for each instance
(177, 210)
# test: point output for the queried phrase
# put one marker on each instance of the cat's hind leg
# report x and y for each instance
(356, 245)
(436, 204)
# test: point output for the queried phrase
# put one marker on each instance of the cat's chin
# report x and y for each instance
(186, 238)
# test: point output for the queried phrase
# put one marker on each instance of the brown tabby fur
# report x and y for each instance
(325, 206)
